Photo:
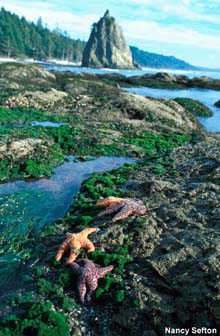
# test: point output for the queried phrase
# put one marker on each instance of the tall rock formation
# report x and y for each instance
(106, 47)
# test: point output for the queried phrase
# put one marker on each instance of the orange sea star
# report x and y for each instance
(74, 242)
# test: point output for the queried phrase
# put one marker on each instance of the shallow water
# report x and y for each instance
(207, 97)
(47, 124)
(27, 206)
(34, 124)
(52, 196)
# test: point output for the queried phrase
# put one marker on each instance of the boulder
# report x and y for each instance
(217, 104)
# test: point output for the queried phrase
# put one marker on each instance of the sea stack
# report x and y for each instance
(106, 47)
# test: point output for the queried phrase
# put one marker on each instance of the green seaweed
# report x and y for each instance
(194, 107)
(39, 319)
(113, 282)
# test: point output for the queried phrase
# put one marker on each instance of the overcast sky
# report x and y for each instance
(187, 29)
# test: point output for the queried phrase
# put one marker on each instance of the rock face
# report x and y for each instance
(178, 246)
(106, 47)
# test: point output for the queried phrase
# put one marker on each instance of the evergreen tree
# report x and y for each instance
(20, 38)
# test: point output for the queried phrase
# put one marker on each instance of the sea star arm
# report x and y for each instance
(72, 256)
(110, 211)
(92, 285)
(74, 246)
(63, 247)
(124, 213)
(141, 210)
(103, 270)
(112, 205)
(75, 268)
(88, 231)
(87, 244)
(106, 202)
(81, 286)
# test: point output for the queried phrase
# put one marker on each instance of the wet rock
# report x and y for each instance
(52, 95)
(163, 76)
(217, 104)
(204, 82)
(165, 80)
(180, 275)
(154, 110)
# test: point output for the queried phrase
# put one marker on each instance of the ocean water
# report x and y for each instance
(50, 198)
(139, 72)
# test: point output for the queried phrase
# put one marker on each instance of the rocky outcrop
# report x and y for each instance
(15, 75)
(157, 112)
(106, 47)
(21, 149)
(166, 81)
(100, 101)
(37, 99)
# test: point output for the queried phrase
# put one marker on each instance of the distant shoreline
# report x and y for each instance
(32, 61)
(64, 63)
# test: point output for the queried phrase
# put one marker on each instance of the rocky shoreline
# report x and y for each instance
(166, 268)
(165, 80)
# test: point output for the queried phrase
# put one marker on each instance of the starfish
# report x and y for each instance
(74, 242)
(87, 277)
(122, 207)
(110, 201)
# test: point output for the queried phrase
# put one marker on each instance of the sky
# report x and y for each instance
(186, 29)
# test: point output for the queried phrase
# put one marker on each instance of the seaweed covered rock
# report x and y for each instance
(194, 107)
(102, 101)
(21, 148)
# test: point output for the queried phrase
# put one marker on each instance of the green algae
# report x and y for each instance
(194, 107)
(24, 115)
(40, 164)
(114, 282)
(75, 138)
(18, 230)
(39, 319)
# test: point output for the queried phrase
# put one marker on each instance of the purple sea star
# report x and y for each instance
(87, 277)
(123, 207)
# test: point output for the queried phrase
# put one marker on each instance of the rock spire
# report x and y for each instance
(106, 47)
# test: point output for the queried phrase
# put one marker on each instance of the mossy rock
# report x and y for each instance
(194, 107)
